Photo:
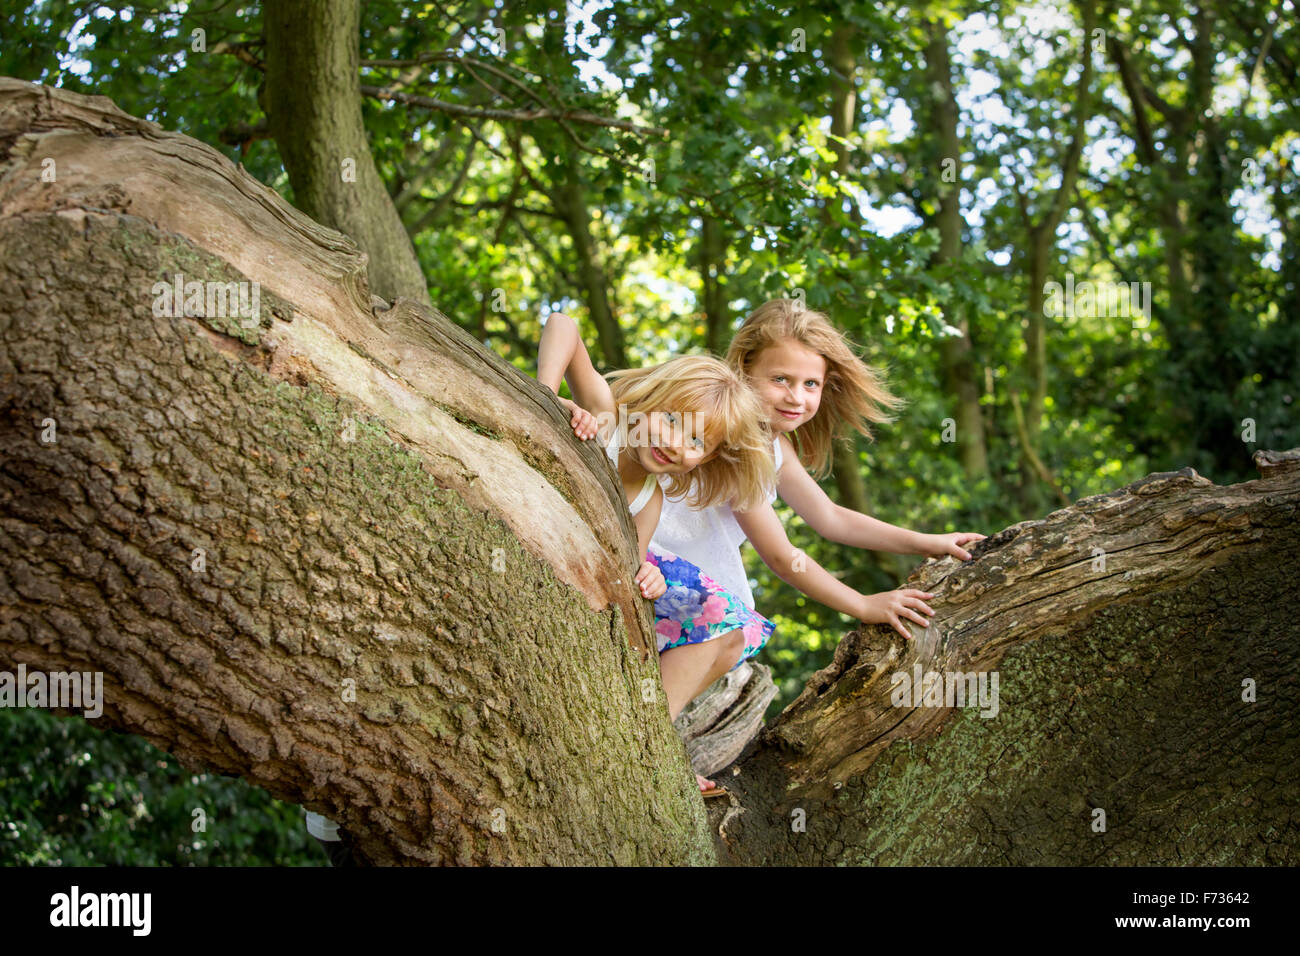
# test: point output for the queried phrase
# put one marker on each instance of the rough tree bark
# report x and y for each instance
(359, 561)
(351, 556)
(1124, 629)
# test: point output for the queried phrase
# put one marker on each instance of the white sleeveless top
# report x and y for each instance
(709, 538)
(647, 490)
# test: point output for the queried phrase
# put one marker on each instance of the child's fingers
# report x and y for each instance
(913, 616)
(580, 427)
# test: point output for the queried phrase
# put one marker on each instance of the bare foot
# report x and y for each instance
(705, 784)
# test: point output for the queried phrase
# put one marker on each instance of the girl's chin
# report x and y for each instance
(780, 423)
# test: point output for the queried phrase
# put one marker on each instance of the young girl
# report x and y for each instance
(813, 388)
(697, 429)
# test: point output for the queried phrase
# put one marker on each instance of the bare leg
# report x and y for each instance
(688, 669)
(686, 675)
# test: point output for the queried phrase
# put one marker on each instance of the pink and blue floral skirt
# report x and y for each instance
(695, 609)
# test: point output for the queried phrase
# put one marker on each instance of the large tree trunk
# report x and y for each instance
(361, 562)
(313, 92)
(956, 351)
(352, 557)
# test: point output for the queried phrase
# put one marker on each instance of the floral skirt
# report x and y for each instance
(695, 608)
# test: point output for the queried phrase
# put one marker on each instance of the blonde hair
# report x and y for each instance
(742, 470)
(854, 394)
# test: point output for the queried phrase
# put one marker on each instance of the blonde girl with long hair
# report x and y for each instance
(696, 430)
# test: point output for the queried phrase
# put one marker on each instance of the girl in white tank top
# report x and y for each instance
(799, 364)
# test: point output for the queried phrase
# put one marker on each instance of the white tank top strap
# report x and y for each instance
(647, 489)
(644, 495)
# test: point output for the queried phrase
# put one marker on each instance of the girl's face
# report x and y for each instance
(677, 443)
(789, 378)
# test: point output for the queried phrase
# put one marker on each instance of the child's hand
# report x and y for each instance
(938, 545)
(888, 606)
(583, 422)
(652, 581)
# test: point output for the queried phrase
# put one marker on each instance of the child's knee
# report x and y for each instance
(733, 647)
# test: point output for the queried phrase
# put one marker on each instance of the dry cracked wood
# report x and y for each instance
(1035, 580)
(1149, 669)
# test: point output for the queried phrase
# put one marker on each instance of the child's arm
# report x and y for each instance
(796, 569)
(836, 523)
(647, 519)
(561, 355)
(649, 577)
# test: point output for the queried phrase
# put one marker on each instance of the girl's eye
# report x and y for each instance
(698, 443)
(670, 418)
(779, 378)
(812, 383)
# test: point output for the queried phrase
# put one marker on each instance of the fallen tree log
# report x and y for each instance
(340, 550)
(1141, 679)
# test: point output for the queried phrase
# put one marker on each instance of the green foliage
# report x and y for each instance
(71, 795)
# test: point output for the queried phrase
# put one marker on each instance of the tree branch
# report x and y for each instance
(241, 134)
(241, 52)
(1022, 431)
(435, 211)
(520, 115)
(1133, 89)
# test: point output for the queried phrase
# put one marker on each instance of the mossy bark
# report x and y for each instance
(293, 542)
